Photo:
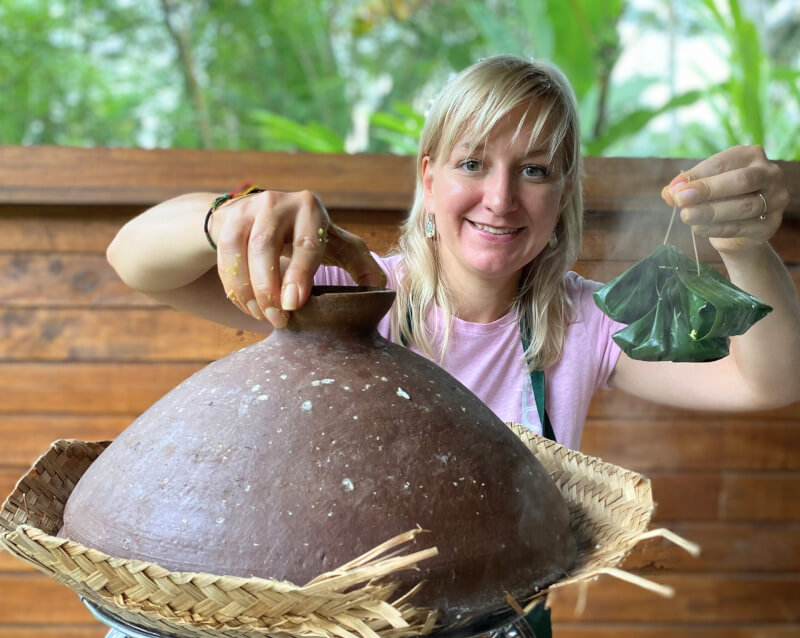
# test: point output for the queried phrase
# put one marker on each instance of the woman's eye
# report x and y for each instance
(534, 171)
(470, 165)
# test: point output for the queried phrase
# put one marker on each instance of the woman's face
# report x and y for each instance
(496, 206)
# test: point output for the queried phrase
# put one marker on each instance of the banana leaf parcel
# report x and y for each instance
(677, 309)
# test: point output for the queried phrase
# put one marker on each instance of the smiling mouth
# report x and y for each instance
(494, 230)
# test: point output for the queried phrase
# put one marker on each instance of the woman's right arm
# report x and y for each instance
(269, 245)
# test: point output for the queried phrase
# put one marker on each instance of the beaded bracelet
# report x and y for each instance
(250, 190)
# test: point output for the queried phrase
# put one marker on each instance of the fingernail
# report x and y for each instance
(686, 196)
(678, 179)
(276, 318)
(252, 307)
(289, 297)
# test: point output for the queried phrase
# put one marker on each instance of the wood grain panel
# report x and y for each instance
(158, 334)
(729, 496)
(136, 176)
(27, 437)
(33, 598)
(89, 229)
(705, 441)
(608, 238)
(58, 279)
(726, 547)
(87, 388)
(63, 279)
(615, 404)
(732, 598)
(24, 229)
(630, 236)
(9, 562)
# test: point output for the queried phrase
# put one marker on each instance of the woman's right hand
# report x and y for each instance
(252, 233)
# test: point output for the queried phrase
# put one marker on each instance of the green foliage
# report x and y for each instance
(400, 129)
(749, 104)
(282, 134)
(331, 75)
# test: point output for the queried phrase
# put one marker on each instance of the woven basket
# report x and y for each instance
(610, 511)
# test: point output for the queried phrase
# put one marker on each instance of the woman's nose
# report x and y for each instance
(499, 194)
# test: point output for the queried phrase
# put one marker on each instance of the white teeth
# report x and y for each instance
(493, 230)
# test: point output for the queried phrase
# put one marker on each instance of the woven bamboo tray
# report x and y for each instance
(610, 510)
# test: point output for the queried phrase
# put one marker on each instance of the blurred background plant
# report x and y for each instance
(663, 78)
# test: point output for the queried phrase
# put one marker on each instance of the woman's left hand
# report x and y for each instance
(736, 198)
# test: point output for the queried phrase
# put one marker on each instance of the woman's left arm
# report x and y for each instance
(737, 199)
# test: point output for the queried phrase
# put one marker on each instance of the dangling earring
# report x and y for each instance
(553, 241)
(430, 227)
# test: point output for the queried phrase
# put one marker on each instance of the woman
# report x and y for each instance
(486, 251)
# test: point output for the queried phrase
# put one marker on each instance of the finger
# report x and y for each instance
(271, 228)
(232, 266)
(730, 159)
(350, 252)
(737, 170)
(749, 206)
(308, 245)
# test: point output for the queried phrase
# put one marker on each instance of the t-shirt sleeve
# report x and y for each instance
(335, 276)
(598, 327)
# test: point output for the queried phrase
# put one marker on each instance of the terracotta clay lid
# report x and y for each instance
(300, 452)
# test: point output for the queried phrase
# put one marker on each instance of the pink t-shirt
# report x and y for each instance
(488, 358)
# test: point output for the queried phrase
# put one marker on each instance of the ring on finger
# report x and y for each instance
(763, 215)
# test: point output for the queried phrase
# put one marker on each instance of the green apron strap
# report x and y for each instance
(538, 619)
(537, 381)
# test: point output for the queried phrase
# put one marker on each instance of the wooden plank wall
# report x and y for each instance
(81, 356)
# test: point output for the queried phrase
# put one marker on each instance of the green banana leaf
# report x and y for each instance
(675, 314)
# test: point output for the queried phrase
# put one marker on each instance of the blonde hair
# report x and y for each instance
(469, 107)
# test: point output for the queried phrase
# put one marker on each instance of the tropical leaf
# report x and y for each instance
(635, 121)
(292, 135)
